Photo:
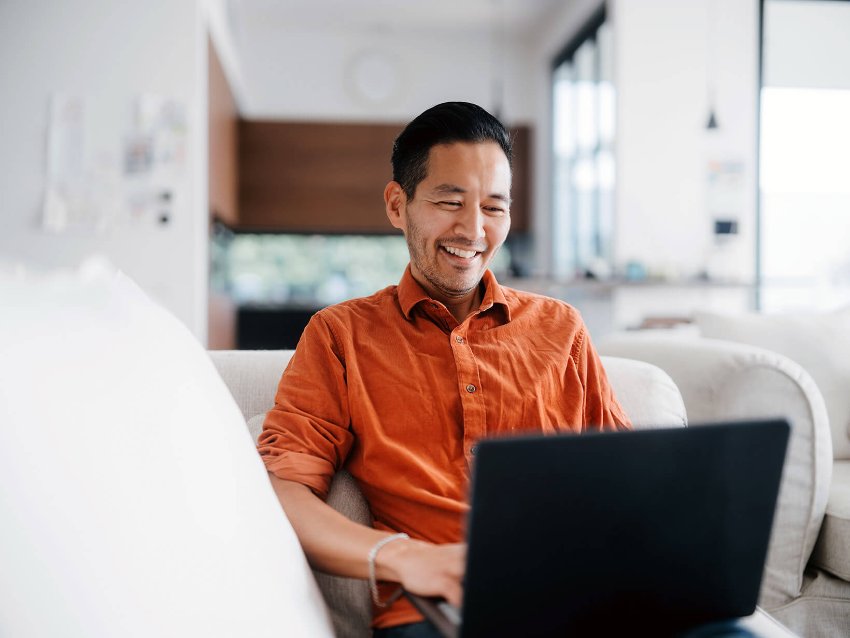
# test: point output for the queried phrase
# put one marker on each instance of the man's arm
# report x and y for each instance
(601, 408)
(337, 545)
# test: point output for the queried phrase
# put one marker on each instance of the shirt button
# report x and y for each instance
(459, 339)
(474, 450)
(470, 388)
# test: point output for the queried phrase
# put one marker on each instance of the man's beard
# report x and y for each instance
(457, 286)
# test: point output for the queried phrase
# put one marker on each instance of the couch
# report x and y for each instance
(647, 394)
(132, 500)
(722, 376)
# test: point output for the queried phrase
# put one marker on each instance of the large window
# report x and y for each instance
(805, 156)
(583, 126)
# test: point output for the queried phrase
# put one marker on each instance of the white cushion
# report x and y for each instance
(820, 343)
(646, 393)
(133, 500)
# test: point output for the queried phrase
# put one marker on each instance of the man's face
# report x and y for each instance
(458, 218)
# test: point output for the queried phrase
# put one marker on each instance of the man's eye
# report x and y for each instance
(455, 204)
(495, 210)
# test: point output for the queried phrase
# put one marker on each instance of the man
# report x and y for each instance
(399, 386)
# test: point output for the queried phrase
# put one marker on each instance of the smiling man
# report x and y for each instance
(398, 387)
(455, 219)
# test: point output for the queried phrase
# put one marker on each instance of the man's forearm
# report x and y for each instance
(337, 545)
(332, 542)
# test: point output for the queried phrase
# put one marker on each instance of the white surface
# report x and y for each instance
(133, 502)
(110, 53)
(664, 55)
(805, 151)
(807, 44)
(310, 71)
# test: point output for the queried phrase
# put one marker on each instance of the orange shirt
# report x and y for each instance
(392, 387)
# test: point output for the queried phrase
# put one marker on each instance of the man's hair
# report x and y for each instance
(442, 124)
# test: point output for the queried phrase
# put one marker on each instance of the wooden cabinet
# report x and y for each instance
(223, 138)
(314, 177)
(309, 177)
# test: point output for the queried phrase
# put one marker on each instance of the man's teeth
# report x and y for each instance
(466, 254)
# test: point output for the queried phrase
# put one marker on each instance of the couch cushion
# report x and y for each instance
(252, 377)
(819, 342)
(646, 393)
(832, 551)
(133, 502)
(348, 599)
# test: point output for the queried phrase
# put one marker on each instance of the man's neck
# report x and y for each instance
(459, 307)
(463, 307)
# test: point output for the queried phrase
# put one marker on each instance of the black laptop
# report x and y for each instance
(617, 534)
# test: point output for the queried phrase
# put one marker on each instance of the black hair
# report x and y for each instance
(442, 124)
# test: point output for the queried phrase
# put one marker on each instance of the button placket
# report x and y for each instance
(469, 386)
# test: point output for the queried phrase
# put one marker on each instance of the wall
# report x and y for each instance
(665, 52)
(109, 52)
(794, 58)
(661, 72)
(311, 72)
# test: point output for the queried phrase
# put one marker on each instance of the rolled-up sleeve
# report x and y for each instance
(306, 436)
(602, 411)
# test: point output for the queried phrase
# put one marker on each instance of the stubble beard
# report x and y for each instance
(451, 287)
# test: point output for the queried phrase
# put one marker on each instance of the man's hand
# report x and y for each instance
(424, 568)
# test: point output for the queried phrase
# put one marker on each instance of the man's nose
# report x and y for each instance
(470, 223)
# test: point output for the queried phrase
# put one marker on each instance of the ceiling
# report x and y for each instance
(514, 18)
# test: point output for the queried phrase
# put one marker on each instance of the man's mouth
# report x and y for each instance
(460, 252)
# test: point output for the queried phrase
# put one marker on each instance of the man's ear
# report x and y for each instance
(395, 202)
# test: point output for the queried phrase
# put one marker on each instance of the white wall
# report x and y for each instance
(109, 52)
(807, 44)
(309, 72)
(662, 65)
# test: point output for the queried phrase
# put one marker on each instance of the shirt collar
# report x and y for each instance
(410, 293)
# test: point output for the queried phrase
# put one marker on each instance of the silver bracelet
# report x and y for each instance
(373, 583)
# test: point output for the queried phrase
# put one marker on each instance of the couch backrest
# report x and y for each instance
(252, 376)
(647, 394)
(818, 341)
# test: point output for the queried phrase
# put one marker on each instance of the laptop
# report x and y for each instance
(626, 533)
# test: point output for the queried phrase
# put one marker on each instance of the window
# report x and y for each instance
(805, 156)
(583, 150)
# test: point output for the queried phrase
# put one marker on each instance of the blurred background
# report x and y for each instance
(230, 155)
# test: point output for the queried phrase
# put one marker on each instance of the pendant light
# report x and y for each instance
(710, 36)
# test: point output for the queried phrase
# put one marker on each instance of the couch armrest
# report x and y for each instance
(722, 381)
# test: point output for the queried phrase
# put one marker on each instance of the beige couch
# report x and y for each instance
(647, 394)
(807, 578)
